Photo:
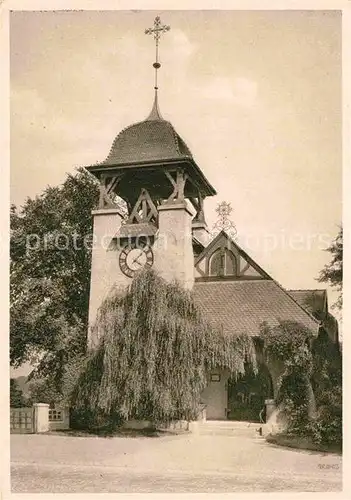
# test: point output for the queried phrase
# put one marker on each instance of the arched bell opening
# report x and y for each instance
(247, 394)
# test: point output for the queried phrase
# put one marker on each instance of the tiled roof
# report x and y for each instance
(241, 306)
(314, 301)
(152, 143)
(149, 140)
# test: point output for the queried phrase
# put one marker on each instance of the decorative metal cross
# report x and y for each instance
(156, 31)
(223, 210)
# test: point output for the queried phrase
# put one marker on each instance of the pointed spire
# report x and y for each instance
(156, 31)
(155, 112)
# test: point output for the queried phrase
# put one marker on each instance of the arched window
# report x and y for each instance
(222, 263)
(216, 263)
(230, 263)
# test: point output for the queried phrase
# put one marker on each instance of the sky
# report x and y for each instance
(255, 95)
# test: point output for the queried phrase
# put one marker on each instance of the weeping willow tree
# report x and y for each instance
(154, 355)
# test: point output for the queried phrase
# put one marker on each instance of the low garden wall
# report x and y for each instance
(41, 418)
(38, 419)
(170, 426)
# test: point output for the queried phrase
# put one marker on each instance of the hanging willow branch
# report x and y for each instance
(155, 353)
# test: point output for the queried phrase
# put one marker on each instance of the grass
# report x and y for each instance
(118, 432)
(302, 443)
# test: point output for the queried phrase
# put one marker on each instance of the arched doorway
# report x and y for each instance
(247, 394)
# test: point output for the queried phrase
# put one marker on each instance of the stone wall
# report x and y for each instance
(174, 257)
(58, 419)
(105, 270)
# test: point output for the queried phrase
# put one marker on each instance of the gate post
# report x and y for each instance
(41, 417)
(270, 407)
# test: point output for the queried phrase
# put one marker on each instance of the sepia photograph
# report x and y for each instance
(176, 251)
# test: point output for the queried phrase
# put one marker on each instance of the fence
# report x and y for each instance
(39, 418)
(22, 420)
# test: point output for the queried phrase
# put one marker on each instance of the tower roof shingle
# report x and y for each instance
(149, 140)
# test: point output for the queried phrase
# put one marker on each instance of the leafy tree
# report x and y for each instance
(43, 391)
(50, 250)
(332, 272)
(154, 355)
(17, 399)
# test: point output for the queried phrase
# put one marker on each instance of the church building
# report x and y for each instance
(151, 168)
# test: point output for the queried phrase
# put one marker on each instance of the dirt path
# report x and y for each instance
(186, 463)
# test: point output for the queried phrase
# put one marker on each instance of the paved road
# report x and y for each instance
(185, 463)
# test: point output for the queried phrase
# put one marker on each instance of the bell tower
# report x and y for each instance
(151, 168)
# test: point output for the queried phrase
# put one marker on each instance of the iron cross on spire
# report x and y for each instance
(156, 31)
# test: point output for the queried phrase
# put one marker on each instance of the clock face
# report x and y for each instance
(134, 258)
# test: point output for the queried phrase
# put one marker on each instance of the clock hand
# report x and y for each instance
(137, 258)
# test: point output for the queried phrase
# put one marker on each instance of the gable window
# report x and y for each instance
(230, 263)
(216, 264)
(222, 263)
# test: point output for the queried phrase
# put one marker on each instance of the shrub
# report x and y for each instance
(307, 364)
(330, 416)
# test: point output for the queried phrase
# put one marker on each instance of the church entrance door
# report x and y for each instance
(247, 395)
